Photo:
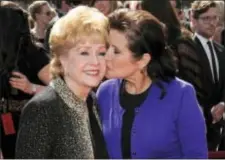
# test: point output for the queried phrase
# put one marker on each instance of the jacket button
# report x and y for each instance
(134, 153)
(137, 110)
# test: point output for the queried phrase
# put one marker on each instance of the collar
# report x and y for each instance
(65, 93)
(202, 39)
(71, 100)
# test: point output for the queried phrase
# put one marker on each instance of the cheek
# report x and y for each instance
(98, 5)
(122, 67)
(75, 66)
(102, 63)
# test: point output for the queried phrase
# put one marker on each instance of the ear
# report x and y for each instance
(63, 60)
(144, 61)
(193, 20)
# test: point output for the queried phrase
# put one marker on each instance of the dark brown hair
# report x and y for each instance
(145, 34)
(167, 15)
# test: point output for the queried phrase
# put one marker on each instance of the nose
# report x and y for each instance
(95, 60)
(109, 55)
(213, 25)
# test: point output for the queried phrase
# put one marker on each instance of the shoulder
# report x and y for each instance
(179, 86)
(44, 101)
(219, 46)
(109, 85)
(107, 89)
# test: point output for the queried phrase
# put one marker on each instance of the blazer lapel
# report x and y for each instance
(203, 57)
(95, 110)
(221, 59)
(67, 95)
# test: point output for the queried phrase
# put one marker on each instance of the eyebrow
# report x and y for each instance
(88, 47)
(115, 47)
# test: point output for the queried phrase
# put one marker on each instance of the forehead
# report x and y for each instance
(117, 38)
(210, 11)
(102, 1)
(45, 7)
(94, 38)
(91, 41)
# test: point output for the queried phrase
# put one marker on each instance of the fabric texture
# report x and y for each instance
(172, 127)
(55, 124)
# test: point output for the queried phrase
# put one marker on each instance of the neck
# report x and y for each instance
(204, 35)
(138, 83)
(39, 30)
(80, 91)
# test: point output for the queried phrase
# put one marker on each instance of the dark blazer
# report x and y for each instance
(56, 124)
(216, 93)
(193, 66)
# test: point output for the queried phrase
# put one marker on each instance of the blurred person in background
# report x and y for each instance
(10, 4)
(41, 14)
(211, 69)
(146, 111)
(219, 33)
(177, 6)
(166, 14)
(105, 6)
(62, 122)
(133, 5)
(24, 72)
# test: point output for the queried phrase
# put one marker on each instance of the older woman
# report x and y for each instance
(147, 112)
(62, 121)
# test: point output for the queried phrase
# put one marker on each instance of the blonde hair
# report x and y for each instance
(79, 22)
(9, 4)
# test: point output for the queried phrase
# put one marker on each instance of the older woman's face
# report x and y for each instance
(119, 60)
(85, 63)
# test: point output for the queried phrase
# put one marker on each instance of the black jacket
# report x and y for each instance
(56, 124)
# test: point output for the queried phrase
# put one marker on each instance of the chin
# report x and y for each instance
(93, 84)
(109, 75)
(114, 75)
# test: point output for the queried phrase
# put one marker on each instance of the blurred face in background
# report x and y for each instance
(103, 6)
(179, 12)
(206, 23)
(173, 3)
(45, 16)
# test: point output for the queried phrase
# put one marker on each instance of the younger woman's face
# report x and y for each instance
(119, 59)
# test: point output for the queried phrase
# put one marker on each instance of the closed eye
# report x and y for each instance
(84, 53)
(117, 52)
(102, 53)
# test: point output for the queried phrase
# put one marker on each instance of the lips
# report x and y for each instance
(92, 72)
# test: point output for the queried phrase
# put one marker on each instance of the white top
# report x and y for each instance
(204, 41)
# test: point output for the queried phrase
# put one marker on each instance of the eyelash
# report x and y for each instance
(116, 52)
(102, 54)
(86, 53)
